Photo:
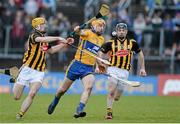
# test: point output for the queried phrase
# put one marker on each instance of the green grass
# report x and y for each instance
(129, 109)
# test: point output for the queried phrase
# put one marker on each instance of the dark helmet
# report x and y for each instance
(121, 26)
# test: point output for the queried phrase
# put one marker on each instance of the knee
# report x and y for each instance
(62, 91)
(88, 89)
(111, 94)
(32, 94)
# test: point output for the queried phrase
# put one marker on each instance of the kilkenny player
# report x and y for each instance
(120, 51)
(32, 71)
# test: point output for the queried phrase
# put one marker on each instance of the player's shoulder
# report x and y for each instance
(34, 33)
(86, 30)
(132, 40)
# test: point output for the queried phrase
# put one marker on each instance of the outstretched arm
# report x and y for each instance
(58, 47)
(49, 39)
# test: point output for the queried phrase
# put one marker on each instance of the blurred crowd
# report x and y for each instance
(17, 15)
(145, 20)
(146, 28)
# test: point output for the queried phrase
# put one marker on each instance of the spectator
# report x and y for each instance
(157, 24)
(139, 25)
(18, 29)
(48, 7)
(31, 8)
(168, 27)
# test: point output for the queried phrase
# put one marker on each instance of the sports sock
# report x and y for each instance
(80, 107)
(109, 110)
(20, 113)
(55, 101)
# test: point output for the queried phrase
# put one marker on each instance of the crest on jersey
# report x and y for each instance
(122, 53)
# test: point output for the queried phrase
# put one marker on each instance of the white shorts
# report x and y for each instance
(123, 73)
(28, 75)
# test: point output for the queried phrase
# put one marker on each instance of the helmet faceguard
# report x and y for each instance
(121, 30)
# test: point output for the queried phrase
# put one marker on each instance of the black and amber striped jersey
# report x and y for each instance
(34, 57)
(121, 53)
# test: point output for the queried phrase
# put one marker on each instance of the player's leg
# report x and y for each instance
(20, 84)
(118, 92)
(88, 82)
(71, 76)
(60, 92)
(18, 91)
(120, 88)
(112, 86)
(34, 88)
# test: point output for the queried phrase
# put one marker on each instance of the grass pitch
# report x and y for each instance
(139, 109)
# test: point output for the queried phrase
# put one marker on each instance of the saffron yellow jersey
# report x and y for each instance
(34, 57)
(91, 43)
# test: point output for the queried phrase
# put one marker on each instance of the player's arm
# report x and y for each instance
(105, 48)
(141, 61)
(79, 31)
(102, 53)
(60, 45)
(49, 39)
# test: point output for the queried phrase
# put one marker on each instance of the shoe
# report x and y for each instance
(18, 116)
(81, 114)
(51, 109)
(109, 116)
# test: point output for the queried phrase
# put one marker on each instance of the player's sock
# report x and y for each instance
(19, 115)
(55, 101)
(109, 113)
(109, 110)
(79, 111)
(80, 107)
(7, 71)
(53, 105)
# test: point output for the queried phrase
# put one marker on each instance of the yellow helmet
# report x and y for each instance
(98, 22)
(38, 21)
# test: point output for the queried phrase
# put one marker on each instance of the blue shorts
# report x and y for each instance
(78, 70)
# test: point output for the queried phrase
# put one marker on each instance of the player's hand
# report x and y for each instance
(44, 48)
(77, 29)
(101, 68)
(70, 40)
(142, 72)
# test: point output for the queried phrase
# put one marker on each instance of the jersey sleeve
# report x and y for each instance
(106, 47)
(33, 36)
(135, 47)
(85, 33)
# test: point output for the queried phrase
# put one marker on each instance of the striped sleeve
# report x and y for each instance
(33, 36)
(135, 46)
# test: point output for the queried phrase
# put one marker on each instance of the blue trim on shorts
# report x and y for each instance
(78, 70)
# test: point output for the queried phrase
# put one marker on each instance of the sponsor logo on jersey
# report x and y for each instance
(122, 53)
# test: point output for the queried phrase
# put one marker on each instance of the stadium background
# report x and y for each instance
(155, 24)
